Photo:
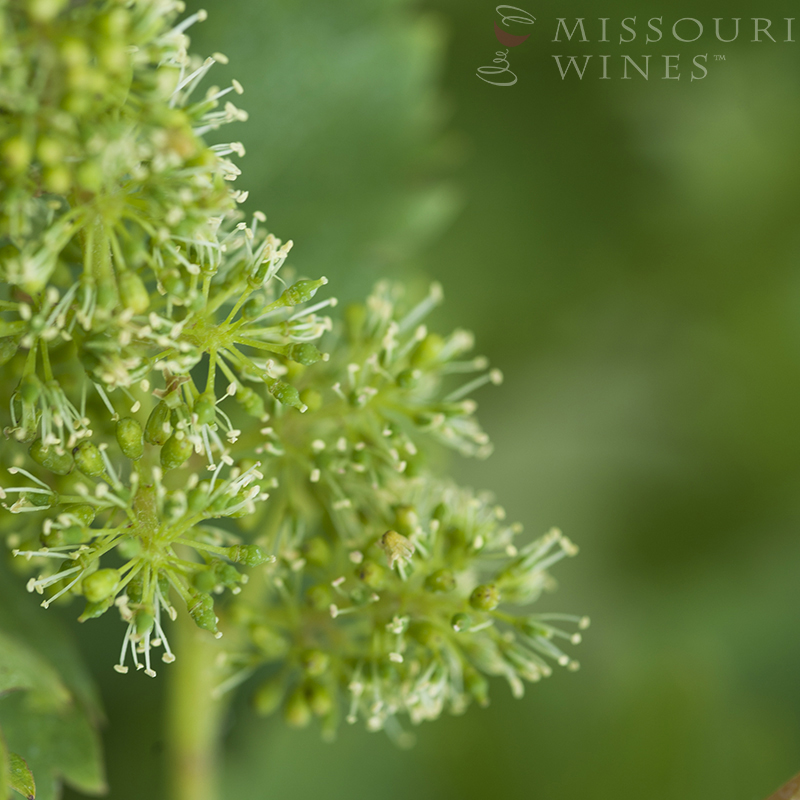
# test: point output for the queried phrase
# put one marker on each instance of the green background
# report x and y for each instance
(627, 253)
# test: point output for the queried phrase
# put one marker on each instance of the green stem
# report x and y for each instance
(193, 715)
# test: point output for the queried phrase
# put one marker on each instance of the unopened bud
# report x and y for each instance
(250, 555)
(206, 408)
(371, 573)
(158, 428)
(297, 711)
(175, 452)
(88, 459)
(99, 585)
(461, 622)
(201, 610)
(485, 597)
(441, 581)
(59, 463)
(303, 353)
(315, 662)
(130, 438)
(301, 292)
(133, 293)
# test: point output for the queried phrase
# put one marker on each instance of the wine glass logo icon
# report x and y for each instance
(511, 18)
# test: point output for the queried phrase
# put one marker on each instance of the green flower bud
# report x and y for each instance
(82, 512)
(218, 505)
(38, 499)
(158, 427)
(51, 459)
(174, 284)
(206, 408)
(461, 622)
(485, 597)
(144, 622)
(442, 580)
(107, 298)
(201, 610)
(95, 610)
(251, 402)
(204, 580)
(129, 547)
(227, 574)
(132, 292)
(316, 551)
(304, 353)
(175, 452)
(53, 538)
(136, 588)
(250, 555)
(88, 459)
(315, 662)
(300, 292)
(297, 711)
(269, 696)
(197, 499)
(76, 534)
(320, 699)
(284, 393)
(99, 585)
(130, 438)
(371, 573)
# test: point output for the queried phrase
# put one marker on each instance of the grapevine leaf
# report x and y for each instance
(21, 778)
(47, 715)
(4, 768)
(58, 747)
(22, 669)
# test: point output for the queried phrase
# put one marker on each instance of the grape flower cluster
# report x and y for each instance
(175, 440)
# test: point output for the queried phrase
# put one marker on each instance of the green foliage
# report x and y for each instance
(20, 777)
(179, 444)
(48, 715)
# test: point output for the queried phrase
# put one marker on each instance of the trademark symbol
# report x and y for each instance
(719, 58)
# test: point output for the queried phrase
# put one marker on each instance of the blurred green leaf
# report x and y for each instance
(22, 669)
(345, 150)
(47, 715)
(58, 747)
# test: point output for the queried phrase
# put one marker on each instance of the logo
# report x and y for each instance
(513, 30)
(511, 18)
